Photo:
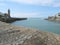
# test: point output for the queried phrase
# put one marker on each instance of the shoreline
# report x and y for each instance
(17, 35)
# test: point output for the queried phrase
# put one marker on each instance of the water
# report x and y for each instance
(39, 24)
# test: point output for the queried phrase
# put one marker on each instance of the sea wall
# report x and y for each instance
(10, 20)
(15, 35)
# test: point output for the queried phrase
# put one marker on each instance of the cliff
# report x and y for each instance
(14, 35)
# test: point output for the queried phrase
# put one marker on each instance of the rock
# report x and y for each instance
(14, 35)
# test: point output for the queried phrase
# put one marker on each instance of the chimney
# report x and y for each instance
(9, 13)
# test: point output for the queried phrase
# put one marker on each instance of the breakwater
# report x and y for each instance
(10, 20)
(17, 35)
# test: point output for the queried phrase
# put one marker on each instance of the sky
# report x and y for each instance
(30, 8)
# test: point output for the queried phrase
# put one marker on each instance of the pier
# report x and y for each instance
(10, 20)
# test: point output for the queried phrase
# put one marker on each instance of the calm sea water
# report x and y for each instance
(39, 24)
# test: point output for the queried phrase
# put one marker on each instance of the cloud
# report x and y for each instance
(38, 2)
(2, 4)
(17, 14)
(33, 1)
(56, 4)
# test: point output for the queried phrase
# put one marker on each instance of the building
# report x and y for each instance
(58, 16)
(5, 15)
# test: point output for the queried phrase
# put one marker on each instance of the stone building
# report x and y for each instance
(58, 16)
(5, 15)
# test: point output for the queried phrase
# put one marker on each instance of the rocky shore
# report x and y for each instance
(14, 35)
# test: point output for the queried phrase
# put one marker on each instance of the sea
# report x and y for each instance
(40, 24)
